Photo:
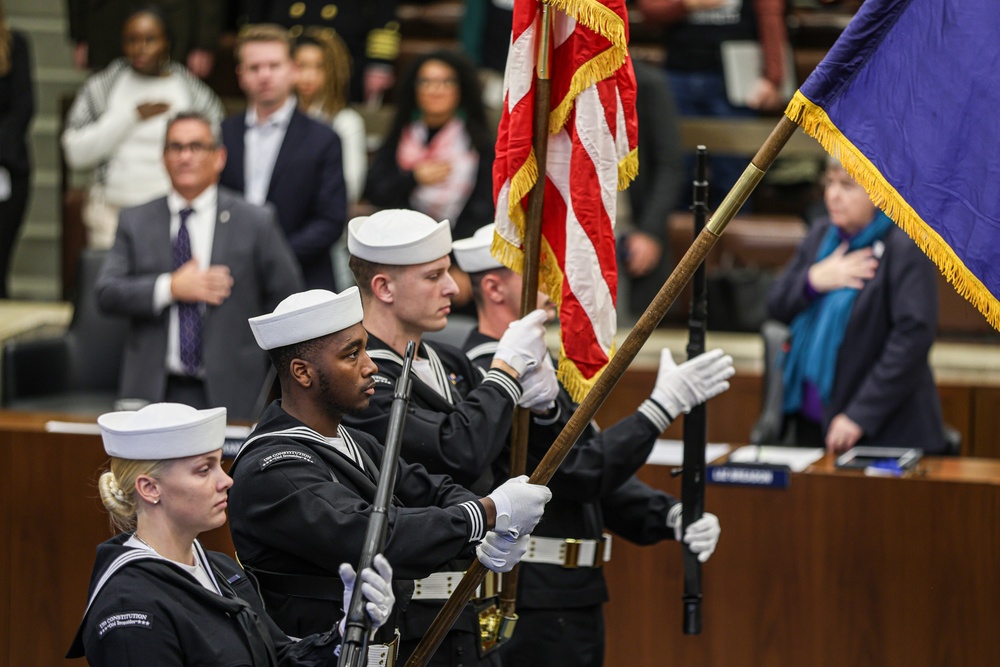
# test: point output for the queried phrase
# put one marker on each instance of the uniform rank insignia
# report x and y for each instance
(289, 455)
(125, 619)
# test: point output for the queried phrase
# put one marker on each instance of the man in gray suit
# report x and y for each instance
(188, 270)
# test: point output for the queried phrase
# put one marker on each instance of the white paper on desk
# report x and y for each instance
(671, 453)
(796, 458)
(91, 428)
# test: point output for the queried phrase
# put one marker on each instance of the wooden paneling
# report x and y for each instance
(839, 569)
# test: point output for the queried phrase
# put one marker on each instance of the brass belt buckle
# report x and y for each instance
(571, 553)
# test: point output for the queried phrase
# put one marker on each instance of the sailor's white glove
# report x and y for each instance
(701, 536)
(539, 387)
(680, 388)
(522, 346)
(519, 506)
(500, 553)
(376, 586)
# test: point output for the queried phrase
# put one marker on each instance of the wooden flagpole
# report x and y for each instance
(529, 282)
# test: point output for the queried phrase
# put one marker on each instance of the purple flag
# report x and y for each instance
(907, 99)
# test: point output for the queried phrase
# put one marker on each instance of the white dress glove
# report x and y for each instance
(701, 536)
(519, 506)
(375, 586)
(540, 386)
(522, 346)
(680, 388)
(500, 553)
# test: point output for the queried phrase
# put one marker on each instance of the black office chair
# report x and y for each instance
(772, 428)
(76, 372)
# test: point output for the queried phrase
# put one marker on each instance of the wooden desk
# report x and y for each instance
(838, 569)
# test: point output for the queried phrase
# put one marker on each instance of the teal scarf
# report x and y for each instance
(818, 331)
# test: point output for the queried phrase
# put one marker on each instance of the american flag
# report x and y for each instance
(591, 155)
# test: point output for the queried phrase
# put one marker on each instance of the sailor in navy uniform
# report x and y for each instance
(156, 596)
(459, 419)
(561, 588)
(305, 483)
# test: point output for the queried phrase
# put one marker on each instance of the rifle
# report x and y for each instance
(693, 477)
(354, 651)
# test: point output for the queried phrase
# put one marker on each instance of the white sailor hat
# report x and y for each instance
(473, 254)
(307, 315)
(398, 237)
(162, 431)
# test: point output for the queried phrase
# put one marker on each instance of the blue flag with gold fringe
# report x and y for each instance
(907, 100)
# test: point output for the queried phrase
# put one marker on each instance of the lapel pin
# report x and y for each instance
(224, 216)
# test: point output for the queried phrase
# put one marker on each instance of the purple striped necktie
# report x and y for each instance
(188, 314)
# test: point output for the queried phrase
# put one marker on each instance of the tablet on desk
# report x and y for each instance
(899, 458)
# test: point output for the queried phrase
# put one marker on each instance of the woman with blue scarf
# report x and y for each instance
(861, 301)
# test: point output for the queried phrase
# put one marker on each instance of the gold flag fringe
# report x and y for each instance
(573, 380)
(604, 22)
(550, 276)
(817, 124)
(520, 185)
(628, 168)
(600, 67)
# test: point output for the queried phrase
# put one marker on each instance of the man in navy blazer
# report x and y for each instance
(279, 155)
(235, 265)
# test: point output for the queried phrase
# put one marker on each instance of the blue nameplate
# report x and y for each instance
(750, 474)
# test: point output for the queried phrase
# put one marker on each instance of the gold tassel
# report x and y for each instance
(817, 124)
(572, 379)
(600, 67)
(628, 168)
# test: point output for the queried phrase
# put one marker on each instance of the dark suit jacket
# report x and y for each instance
(248, 241)
(307, 189)
(17, 106)
(883, 380)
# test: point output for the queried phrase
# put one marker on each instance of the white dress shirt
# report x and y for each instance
(261, 144)
(201, 230)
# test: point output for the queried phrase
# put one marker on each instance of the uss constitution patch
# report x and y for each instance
(125, 619)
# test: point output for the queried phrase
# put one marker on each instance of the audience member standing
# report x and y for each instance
(188, 270)
(117, 121)
(17, 106)
(438, 157)
(193, 26)
(279, 155)
(694, 34)
(861, 302)
(653, 193)
(368, 27)
(322, 88)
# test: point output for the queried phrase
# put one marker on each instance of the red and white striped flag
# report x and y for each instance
(591, 155)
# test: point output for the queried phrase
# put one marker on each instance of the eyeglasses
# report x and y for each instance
(197, 148)
(427, 84)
